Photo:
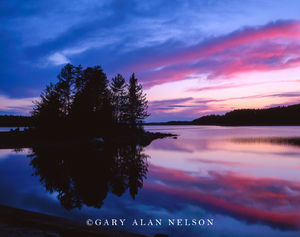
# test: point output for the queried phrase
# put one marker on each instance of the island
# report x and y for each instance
(83, 106)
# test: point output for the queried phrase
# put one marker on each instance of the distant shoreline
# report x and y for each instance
(275, 116)
(220, 125)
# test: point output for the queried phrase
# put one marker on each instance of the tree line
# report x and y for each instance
(275, 116)
(284, 115)
(15, 121)
(84, 100)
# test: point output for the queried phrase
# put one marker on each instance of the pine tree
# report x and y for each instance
(91, 106)
(48, 111)
(65, 86)
(118, 91)
(137, 103)
(82, 99)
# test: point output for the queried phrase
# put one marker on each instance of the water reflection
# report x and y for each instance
(293, 141)
(246, 178)
(248, 174)
(86, 173)
(273, 202)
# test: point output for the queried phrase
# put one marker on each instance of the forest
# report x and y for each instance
(15, 121)
(83, 106)
(84, 101)
(282, 115)
(275, 116)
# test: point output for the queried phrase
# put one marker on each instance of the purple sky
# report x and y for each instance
(193, 57)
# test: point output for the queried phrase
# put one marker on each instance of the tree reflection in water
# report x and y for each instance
(85, 174)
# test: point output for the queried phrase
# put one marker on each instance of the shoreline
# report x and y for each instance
(23, 223)
(224, 125)
(26, 139)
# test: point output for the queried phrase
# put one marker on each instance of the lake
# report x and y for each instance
(246, 180)
(6, 129)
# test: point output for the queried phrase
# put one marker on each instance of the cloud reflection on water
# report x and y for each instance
(253, 178)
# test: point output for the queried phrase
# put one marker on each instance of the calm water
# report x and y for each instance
(6, 129)
(246, 178)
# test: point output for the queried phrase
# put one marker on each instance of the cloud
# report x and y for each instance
(168, 105)
(181, 108)
(270, 47)
(170, 101)
(58, 59)
(288, 94)
(160, 42)
(16, 105)
(230, 85)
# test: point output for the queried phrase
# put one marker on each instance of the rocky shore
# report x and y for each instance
(20, 223)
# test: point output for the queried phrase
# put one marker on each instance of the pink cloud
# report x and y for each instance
(270, 47)
(16, 105)
(234, 85)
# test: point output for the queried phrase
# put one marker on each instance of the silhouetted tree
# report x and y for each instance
(119, 99)
(83, 101)
(92, 106)
(65, 87)
(137, 103)
(49, 108)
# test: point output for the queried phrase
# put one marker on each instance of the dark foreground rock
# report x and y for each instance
(20, 223)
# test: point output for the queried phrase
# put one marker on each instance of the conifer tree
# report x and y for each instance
(118, 90)
(83, 101)
(91, 105)
(48, 111)
(65, 86)
(137, 103)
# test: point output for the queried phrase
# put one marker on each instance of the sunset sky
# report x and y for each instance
(193, 57)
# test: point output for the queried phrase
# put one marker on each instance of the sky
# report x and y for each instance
(193, 58)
